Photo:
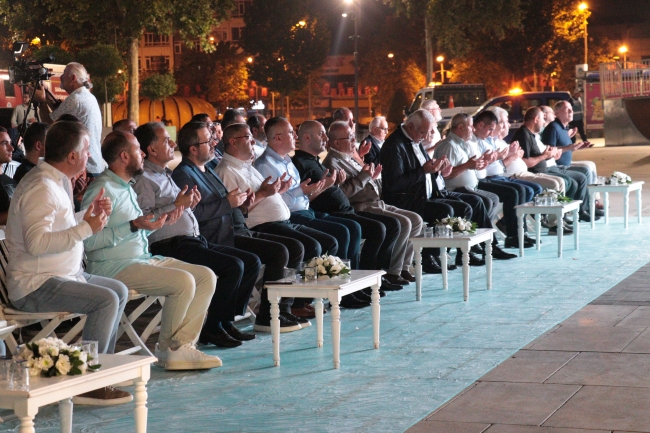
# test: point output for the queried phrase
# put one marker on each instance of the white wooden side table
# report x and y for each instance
(625, 189)
(459, 240)
(332, 289)
(44, 391)
(559, 210)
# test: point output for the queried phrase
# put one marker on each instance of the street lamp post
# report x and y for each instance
(584, 7)
(623, 50)
(442, 68)
(355, 17)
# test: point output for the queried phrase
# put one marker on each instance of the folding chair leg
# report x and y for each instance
(76, 330)
(133, 336)
(152, 327)
(48, 330)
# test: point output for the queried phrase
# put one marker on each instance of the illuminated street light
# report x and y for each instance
(249, 60)
(391, 55)
(344, 15)
(442, 68)
(584, 8)
(302, 23)
(623, 50)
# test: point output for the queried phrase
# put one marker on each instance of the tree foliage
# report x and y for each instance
(158, 86)
(220, 76)
(61, 55)
(288, 40)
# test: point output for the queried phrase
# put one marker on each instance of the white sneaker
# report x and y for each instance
(187, 357)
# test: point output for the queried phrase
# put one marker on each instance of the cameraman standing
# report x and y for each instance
(81, 104)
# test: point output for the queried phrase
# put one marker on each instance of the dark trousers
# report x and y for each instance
(346, 232)
(380, 239)
(511, 195)
(530, 189)
(313, 241)
(575, 183)
(276, 252)
(236, 270)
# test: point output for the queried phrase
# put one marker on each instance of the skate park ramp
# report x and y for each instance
(627, 121)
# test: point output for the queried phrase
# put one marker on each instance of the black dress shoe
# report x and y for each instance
(473, 260)
(368, 291)
(350, 301)
(586, 218)
(476, 249)
(553, 232)
(301, 320)
(529, 239)
(407, 276)
(235, 333)
(513, 242)
(362, 295)
(450, 266)
(396, 279)
(388, 287)
(429, 266)
(599, 212)
(499, 254)
(220, 338)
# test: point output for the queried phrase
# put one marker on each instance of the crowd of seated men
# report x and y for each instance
(245, 196)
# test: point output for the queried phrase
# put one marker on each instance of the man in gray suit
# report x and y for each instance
(362, 186)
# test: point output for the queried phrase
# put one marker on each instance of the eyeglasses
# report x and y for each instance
(203, 142)
(383, 129)
(248, 137)
(291, 133)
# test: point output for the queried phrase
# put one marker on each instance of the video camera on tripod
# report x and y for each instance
(30, 73)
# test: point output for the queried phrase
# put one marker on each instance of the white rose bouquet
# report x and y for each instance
(330, 266)
(621, 177)
(50, 357)
(459, 224)
(557, 195)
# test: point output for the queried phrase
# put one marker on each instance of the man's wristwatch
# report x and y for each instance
(133, 227)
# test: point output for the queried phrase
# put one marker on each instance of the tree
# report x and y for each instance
(61, 55)
(288, 40)
(157, 87)
(82, 23)
(220, 76)
(103, 63)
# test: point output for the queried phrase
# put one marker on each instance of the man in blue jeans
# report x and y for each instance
(45, 241)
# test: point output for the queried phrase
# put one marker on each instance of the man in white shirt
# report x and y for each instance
(256, 124)
(45, 242)
(81, 104)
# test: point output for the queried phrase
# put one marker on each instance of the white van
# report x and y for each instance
(452, 99)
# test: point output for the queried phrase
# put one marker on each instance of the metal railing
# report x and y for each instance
(624, 82)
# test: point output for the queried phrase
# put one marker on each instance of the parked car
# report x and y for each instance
(517, 104)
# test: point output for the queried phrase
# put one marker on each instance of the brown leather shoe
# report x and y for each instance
(396, 279)
(599, 205)
(107, 396)
(407, 276)
(304, 313)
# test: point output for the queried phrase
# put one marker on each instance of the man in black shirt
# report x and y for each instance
(34, 142)
(379, 231)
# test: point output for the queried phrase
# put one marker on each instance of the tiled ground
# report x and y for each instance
(587, 375)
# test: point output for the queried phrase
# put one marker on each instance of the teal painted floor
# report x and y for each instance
(430, 350)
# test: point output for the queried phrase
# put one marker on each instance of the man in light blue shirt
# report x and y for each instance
(121, 251)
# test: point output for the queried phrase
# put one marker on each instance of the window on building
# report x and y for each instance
(156, 63)
(645, 60)
(177, 48)
(9, 88)
(242, 7)
(236, 33)
(154, 40)
(221, 35)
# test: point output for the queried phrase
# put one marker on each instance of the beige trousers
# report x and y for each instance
(545, 180)
(187, 289)
(411, 225)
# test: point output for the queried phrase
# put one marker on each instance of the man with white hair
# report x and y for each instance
(430, 141)
(378, 131)
(81, 104)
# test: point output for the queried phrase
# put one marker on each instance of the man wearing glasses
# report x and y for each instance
(215, 132)
(378, 131)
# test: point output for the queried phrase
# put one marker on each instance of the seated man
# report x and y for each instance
(468, 161)
(556, 134)
(34, 142)
(379, 231)
(236, 270)
(431, 141)
(413, 181)
(8, 185)
(363, 187)
(256, 124)
(44, 238)
(541, 159)
(121, 251)
(378, 128)
(125, 125)
(221, 221)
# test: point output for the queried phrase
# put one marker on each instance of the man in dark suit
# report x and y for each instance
(413, 181)
(221, 220)
(378, 131)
